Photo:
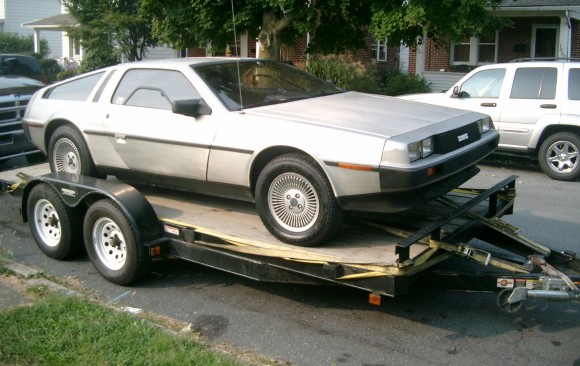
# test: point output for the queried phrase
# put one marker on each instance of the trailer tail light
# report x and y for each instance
(155, 251)
(375, 299)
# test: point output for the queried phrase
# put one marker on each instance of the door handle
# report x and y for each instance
(548, 106)
(488, 104)
(120, 139)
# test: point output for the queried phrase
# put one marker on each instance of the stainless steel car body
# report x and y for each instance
(359, 140)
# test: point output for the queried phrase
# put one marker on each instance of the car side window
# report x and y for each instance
(75, 90)
(534, 83)
(152, 88)
(574, 84)
(484, 84)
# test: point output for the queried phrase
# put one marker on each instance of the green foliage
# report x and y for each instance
(66, 331)
(108, 29)
(15, 43)
(374, 78)
(65, 74)
(442, 21)
(343, 72)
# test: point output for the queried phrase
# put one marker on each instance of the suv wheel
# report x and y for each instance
(558, 156)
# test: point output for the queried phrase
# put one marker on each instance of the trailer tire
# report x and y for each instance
(296, 202)
(112, 244)
(55, 227)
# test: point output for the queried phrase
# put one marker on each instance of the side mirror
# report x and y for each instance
(191, 107)
(455, 91)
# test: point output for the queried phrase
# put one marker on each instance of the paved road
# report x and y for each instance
(306, 325)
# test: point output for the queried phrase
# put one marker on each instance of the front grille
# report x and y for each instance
(455, 139)
(12, 109)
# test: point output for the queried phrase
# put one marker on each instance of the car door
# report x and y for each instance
(147, 137)
(531, 104)
(481, 93)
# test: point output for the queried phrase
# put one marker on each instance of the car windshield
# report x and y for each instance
(262, 83)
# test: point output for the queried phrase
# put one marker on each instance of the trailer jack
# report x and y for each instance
(546, 287)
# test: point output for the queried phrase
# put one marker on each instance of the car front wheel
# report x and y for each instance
(296, 202)
(558, 156)
(69, 153)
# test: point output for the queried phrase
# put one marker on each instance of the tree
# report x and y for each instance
(411, 21)
(188, 23)
(333, 25)
(108, 29)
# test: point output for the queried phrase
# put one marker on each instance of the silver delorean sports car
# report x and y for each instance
(304, 150)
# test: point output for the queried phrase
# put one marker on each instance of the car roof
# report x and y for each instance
(181, 61)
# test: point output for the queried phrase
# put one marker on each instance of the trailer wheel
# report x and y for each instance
(68, 152)
(296, 202)
(54, 225)
(112, 244)
(502, 302)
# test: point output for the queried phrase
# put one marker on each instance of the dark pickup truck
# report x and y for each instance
(15, 92)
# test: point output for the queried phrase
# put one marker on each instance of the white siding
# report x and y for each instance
(17, 12)
(160, 52)
(441, 81)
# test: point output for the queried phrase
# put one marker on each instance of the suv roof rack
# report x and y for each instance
(545, 59)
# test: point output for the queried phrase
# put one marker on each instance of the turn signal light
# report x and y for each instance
(355, 167)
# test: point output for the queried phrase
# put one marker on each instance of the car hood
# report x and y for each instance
(18, 85)
(364, 113)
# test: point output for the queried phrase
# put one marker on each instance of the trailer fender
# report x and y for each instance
(79, 192)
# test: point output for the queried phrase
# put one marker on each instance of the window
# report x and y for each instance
(484, 84)
(574, 84)
(379, 50)
(152, 88)
(534, 83)
(475, 51)
(76, 90)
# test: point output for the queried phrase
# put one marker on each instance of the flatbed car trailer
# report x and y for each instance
(125, 228)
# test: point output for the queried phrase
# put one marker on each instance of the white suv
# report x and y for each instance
(534, 104)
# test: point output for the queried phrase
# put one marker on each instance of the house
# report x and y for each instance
(14, 13)
(541, 28)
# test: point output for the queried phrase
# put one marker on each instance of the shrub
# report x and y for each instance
(373, 78)
(343, 72)
(15, 43)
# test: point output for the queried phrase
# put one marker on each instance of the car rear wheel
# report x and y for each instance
(559, 156)
(296, 202)
(69, 153)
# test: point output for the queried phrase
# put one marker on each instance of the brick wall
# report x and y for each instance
(575, 39)
(514, 42)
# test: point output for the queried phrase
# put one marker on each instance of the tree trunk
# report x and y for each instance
(269, 37)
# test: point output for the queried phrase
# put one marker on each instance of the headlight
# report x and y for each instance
(484, 125)
(420, 149)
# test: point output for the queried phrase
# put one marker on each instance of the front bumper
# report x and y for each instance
(402, 189)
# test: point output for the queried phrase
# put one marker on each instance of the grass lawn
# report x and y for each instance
(67, 330)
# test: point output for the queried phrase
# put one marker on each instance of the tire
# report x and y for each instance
(112, 244)
(55, 227)
(68, 152)
(295, 201)
(559, 156)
